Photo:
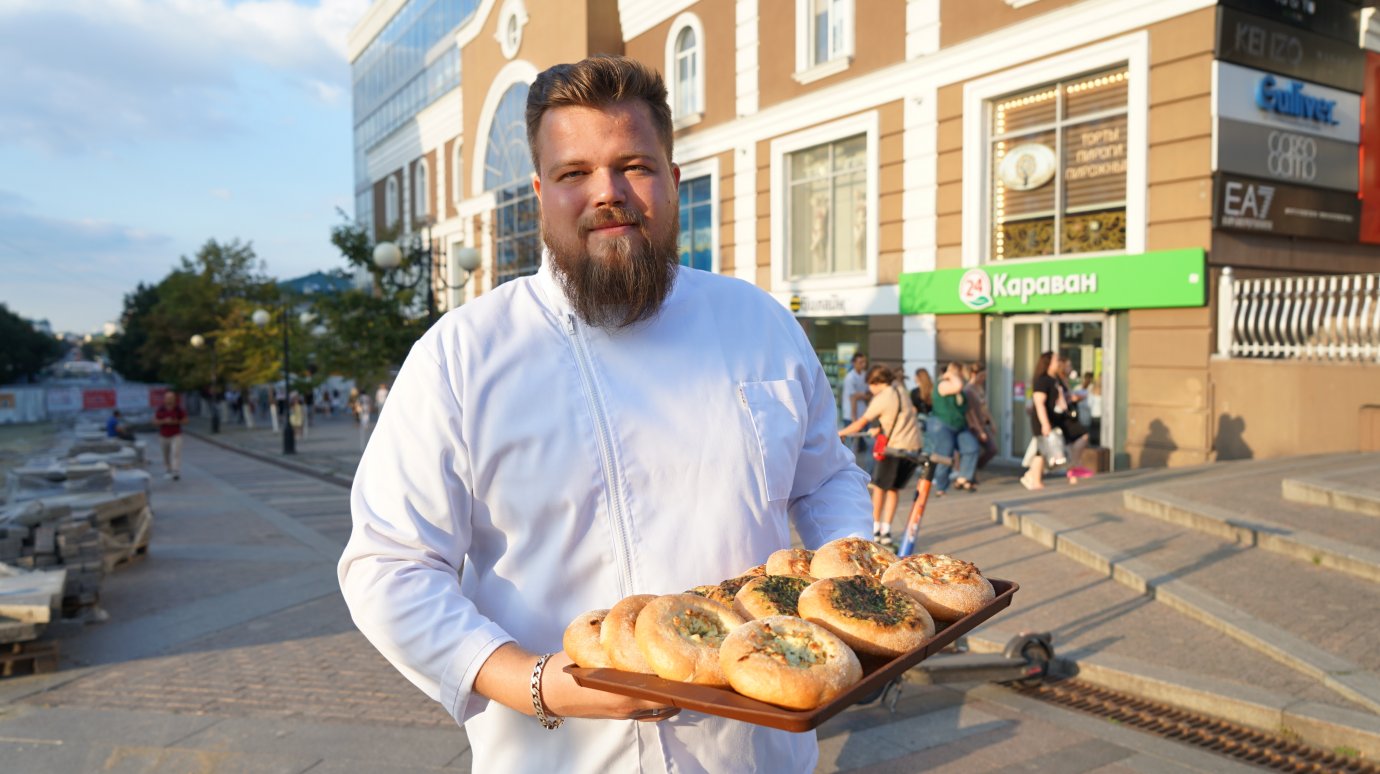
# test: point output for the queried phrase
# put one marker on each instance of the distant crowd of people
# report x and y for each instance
(950, 418)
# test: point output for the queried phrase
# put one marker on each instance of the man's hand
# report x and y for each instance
(564, 697)
(505, 678)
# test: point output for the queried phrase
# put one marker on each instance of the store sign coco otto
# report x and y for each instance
(1170, 278)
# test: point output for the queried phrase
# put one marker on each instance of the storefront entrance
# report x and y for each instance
(1086, 341)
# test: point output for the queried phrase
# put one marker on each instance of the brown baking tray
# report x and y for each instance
(877, 672)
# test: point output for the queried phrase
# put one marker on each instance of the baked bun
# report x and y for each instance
(769, 595)
(790, 561)
(618, 635)
(724, 592)
(868, 616)
(754, 572)
(581, 640)
(788, 662)
(949, 588)
(679, 636)
(851, 556)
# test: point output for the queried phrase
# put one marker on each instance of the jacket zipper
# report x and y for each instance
(596, 407)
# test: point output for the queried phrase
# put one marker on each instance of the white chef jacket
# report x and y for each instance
(569, 466)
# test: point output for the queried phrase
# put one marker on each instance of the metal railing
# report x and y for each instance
(1330, 317)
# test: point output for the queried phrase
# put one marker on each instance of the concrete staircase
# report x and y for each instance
(1282, 556)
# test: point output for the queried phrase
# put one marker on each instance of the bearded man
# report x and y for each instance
(614, 425)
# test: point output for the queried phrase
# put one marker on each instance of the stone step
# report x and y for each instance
(1318, 490)
(1348, 557)
(1217, 583)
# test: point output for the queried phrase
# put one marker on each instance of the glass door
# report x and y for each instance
(1085, 341)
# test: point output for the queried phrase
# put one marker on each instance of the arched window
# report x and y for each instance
(421, 201)
(508, 173)
(390, 201)
(687, 73)
(685, 67)
(457, 174)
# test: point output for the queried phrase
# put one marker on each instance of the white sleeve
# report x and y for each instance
(411, 505)
(829, 498)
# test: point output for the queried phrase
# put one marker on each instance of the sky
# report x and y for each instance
(132, 131)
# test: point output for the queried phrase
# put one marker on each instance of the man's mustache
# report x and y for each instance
(610, 216)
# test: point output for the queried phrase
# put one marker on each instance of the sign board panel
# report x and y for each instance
(1256, 42)
(156, 396)
(1260, 97)
(132, 397)
(1370, 154)
(1242, 203)
(94, 400)
(62, 400)
(1170, 278)
(1339, 19)
(1286, 156)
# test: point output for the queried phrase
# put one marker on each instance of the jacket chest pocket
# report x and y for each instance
(776, 409)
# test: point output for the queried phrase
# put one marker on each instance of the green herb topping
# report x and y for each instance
(783, 592)
(858, 596)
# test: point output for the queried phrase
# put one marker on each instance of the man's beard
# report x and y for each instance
(630, 278)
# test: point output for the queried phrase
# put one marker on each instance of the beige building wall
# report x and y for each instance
(718, 50)
(879, 41)
(962, 20)
(1264, 409)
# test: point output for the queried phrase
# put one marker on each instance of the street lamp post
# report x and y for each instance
(388, 257)
(261, 318)
(198, 341)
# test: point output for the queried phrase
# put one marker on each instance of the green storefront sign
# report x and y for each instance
(1162, 279)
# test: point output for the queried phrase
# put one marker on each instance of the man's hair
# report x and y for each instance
(880, 374)
(598, 82)
(862, 355)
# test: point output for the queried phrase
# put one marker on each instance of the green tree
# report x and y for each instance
(198, 297)
(24, 352)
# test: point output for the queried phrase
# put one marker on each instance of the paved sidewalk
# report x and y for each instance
(229, 650)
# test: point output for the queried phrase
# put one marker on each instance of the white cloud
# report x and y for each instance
(223, 194)
(82, 75)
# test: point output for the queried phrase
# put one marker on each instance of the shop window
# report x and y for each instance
(1059, 164)
(697, 223)
(687, 73)
(508, 173)
(827, 218)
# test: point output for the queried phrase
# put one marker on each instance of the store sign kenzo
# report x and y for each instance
(1277, 47)
(1170, 278)
(1259, 97)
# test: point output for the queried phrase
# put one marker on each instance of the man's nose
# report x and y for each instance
(610, 189)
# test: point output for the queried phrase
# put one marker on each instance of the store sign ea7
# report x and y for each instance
(1171, 278)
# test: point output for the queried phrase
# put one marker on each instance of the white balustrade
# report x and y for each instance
(1333, 317)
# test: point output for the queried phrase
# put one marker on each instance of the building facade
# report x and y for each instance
(1124, 181)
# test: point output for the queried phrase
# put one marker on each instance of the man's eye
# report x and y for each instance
(570, 174)
(639, 168)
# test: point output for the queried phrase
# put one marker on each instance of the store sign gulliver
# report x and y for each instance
(1259, 97)
(1170, 278)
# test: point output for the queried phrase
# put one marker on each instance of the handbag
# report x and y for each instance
(879, 444)
(1052, 448)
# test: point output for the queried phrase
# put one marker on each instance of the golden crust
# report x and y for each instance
(788, 662)
(851, 556)
(679, 636)
(868, 616)
(769, 595)
(581, 640)
(618, 635)
(754, 572)
(949, 588)
(790, 561)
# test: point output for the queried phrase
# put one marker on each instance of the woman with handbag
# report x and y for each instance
(1050, 423)
(895, 449)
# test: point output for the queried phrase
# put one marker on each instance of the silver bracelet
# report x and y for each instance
(550, 722)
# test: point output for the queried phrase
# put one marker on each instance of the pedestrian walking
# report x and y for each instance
(169, 419)
(1049, 422)
(297, 416)
(895, 416)
(947, 431)
(855, 394)
(380, 396)
(920, 396)
(977, 415)
(485, 458)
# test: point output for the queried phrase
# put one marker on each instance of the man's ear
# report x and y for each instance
(675, 175)
(536, 186)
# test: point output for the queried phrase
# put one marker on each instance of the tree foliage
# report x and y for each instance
(24, 352)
